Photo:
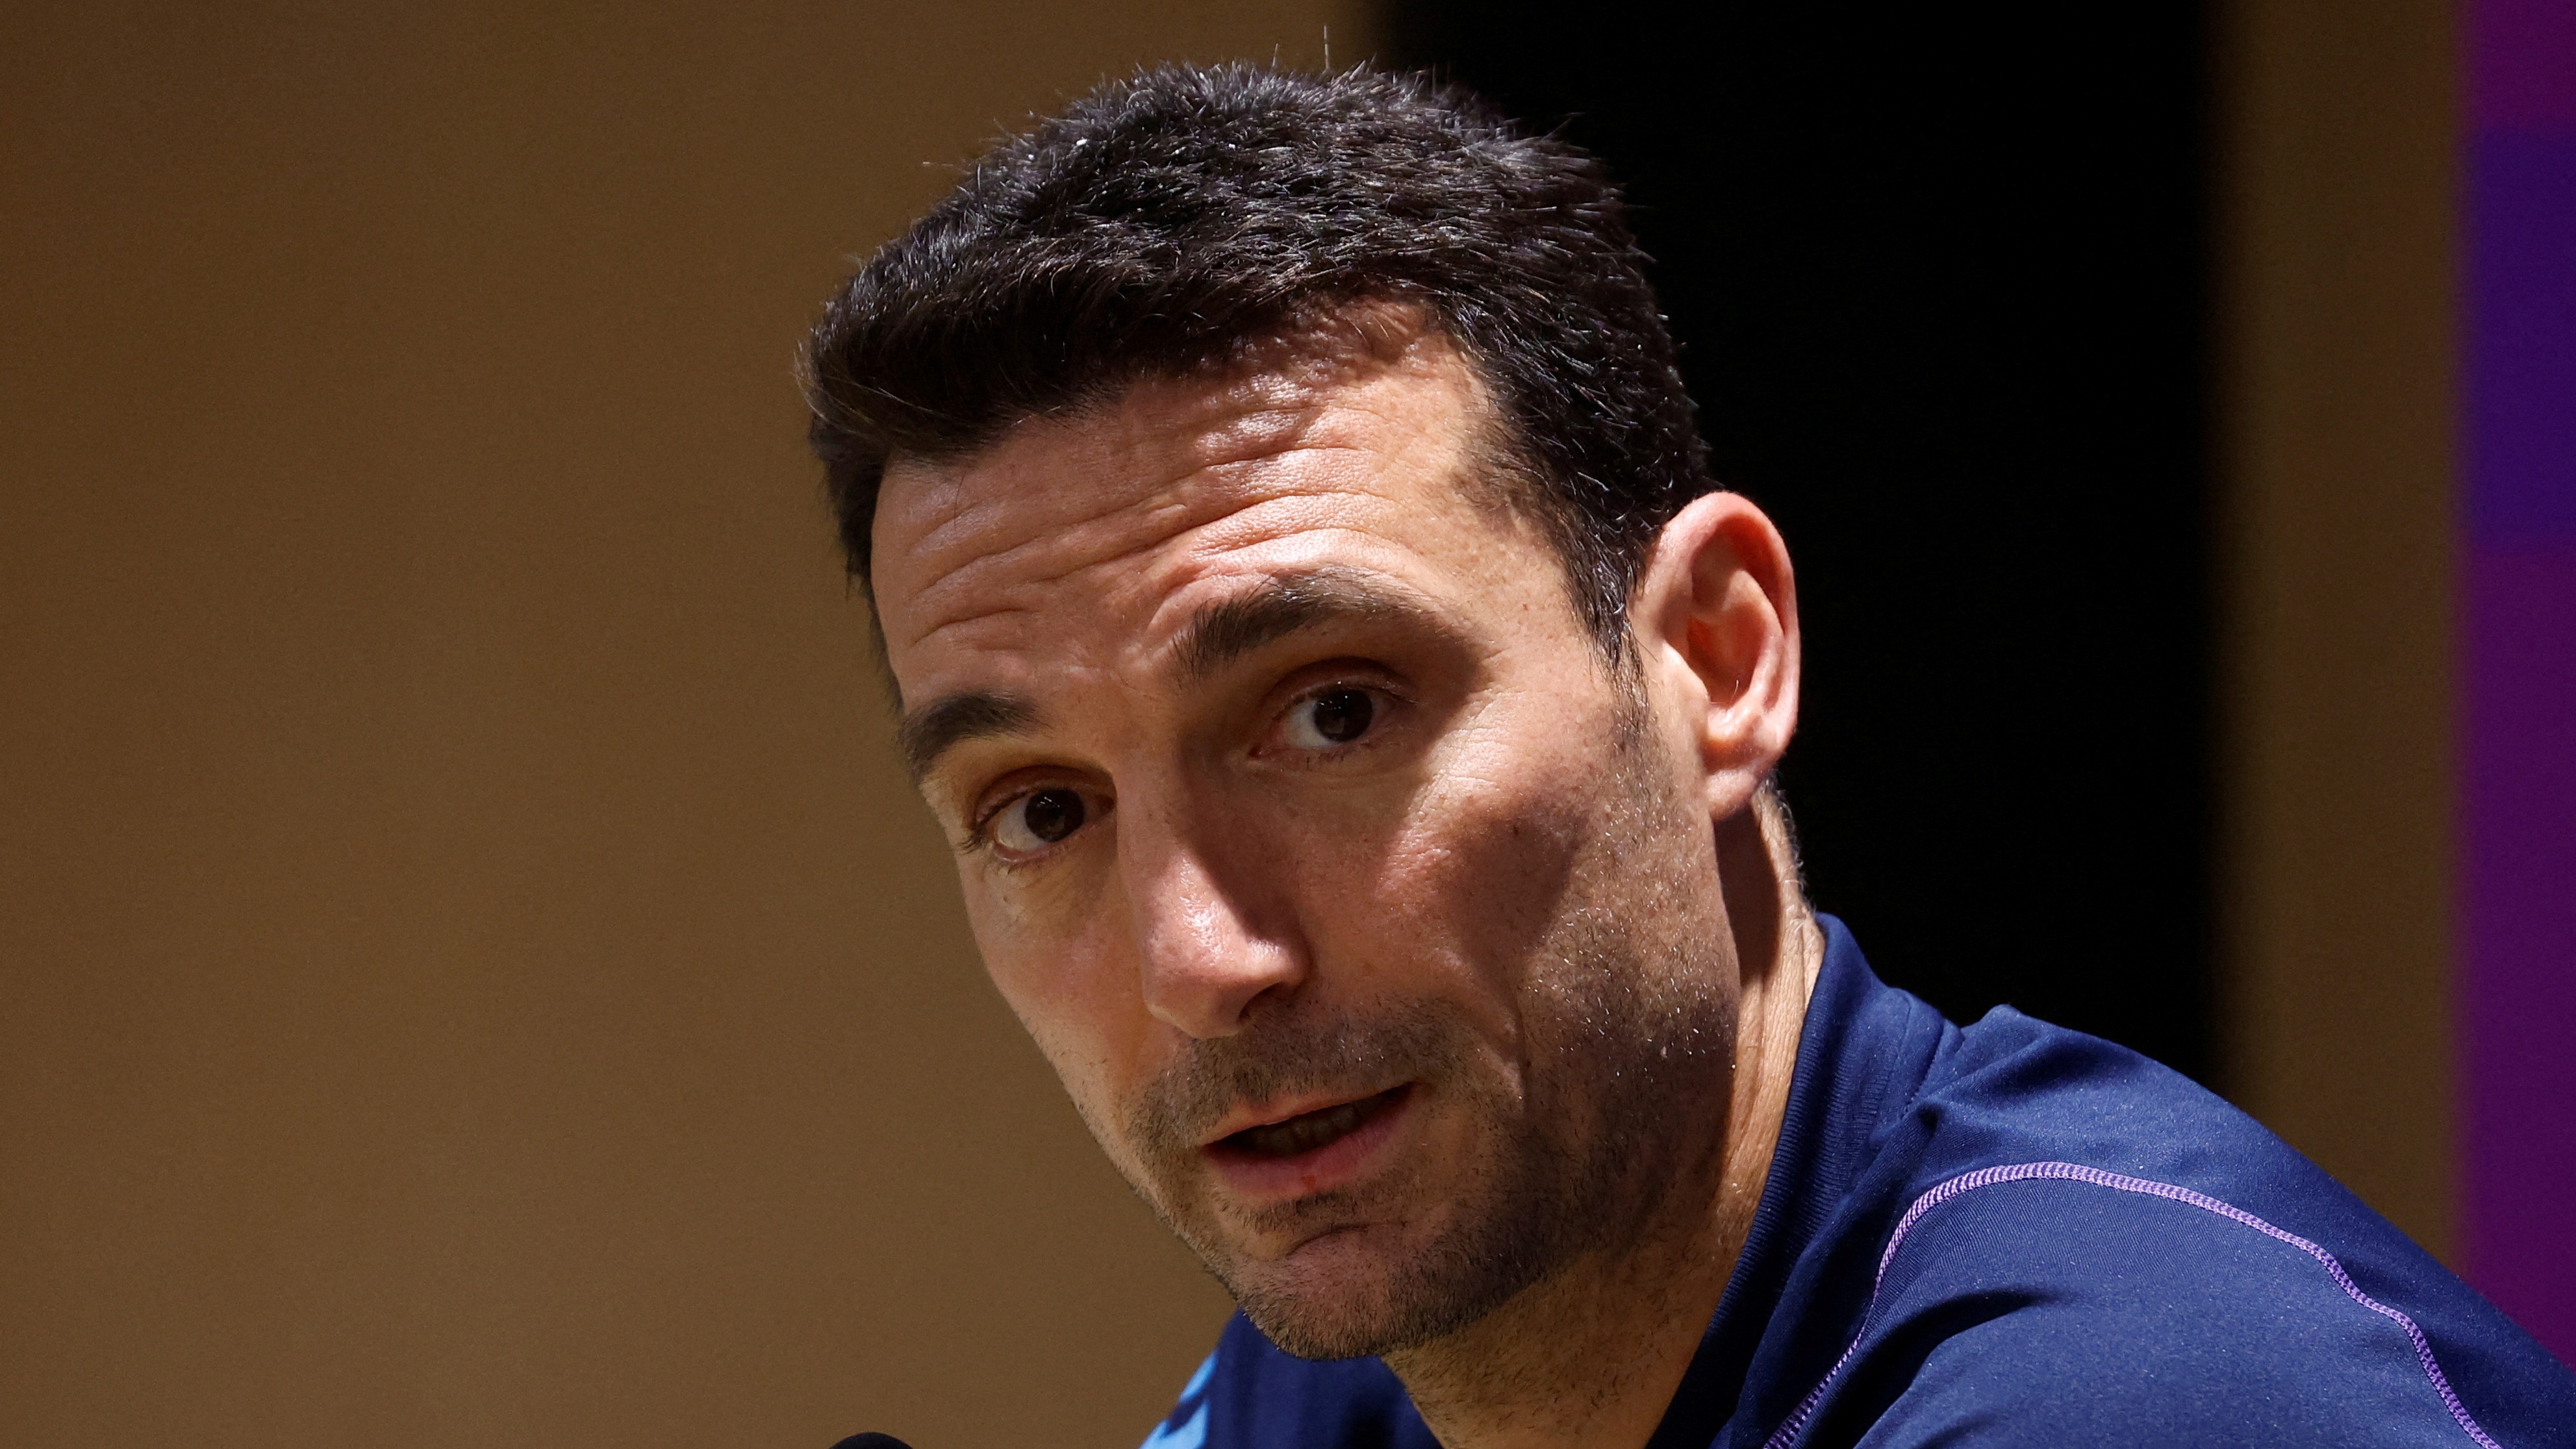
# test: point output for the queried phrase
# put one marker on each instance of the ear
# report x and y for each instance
(1716, 621)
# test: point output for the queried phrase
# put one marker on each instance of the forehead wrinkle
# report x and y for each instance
(1266, 408)
(1225, 434)
(1220, 471)
(1203, 496)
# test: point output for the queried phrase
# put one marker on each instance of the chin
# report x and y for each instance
(1366, 1292)
(1354, 1322)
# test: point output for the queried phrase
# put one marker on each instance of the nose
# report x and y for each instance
(1213, 932)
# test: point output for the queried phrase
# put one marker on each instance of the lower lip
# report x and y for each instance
(1337, 1163)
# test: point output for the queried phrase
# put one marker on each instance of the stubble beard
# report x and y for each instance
(1630, 1032)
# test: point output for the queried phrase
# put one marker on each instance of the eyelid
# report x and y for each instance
(1327, 678)
(1325, 675)
(979, 823)
(999, 796)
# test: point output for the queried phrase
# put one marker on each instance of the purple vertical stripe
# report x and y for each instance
(2518, 1008)
(2521, 53)
(2522, 341)
(2518, 786)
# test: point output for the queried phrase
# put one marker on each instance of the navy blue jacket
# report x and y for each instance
(2014, 1234)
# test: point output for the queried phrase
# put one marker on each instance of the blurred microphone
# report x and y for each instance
(872, 1441)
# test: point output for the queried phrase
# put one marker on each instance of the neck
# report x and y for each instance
(1591, 1355)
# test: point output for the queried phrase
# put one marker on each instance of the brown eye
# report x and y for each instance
(1334, 717)
(1039, 819)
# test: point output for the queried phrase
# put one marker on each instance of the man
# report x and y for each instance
(1355, 707)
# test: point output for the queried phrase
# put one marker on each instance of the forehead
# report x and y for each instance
(1128, 516)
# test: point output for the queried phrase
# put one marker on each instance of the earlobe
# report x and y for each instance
(1717, 609)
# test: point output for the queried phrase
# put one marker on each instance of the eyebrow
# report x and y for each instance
(1227, 631)
(1215, 637)
(951, 720)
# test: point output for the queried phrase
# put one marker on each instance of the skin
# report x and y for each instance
(1533, 924)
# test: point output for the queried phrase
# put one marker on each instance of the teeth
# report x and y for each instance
(1304, 1133)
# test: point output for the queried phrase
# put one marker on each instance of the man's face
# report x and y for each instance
(1364, 912)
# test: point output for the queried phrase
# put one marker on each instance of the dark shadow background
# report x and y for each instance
(1939, 275)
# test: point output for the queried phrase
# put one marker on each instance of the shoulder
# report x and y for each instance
(2066, 1244)
(2051, 1303)
(1249, 1395)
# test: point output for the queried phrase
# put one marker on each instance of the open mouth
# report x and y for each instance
(1309, 1131)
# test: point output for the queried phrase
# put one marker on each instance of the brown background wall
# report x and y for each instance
(473, 974)
(2335, 326)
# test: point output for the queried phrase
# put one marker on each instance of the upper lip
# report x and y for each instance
(1249, 1115)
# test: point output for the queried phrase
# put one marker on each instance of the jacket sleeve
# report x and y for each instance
(2095, 1311)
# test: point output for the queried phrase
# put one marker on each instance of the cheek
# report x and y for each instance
(1507, 861)
(1041, 937)
(1074, 990)
(1464, 878)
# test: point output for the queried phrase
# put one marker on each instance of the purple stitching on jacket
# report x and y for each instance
(1788, 1432)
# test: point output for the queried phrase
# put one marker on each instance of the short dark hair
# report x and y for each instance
(1163, 224)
